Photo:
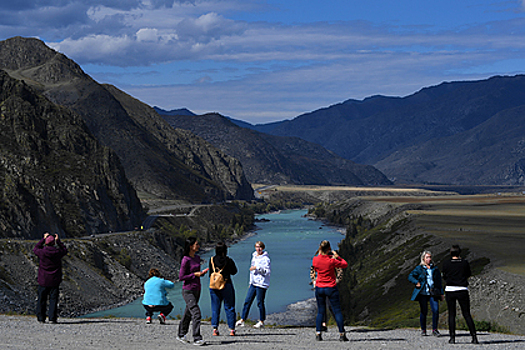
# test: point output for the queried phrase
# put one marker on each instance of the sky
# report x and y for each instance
(264, 60)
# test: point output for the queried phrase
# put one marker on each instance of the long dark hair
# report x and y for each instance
(221, 249)
(187, 245)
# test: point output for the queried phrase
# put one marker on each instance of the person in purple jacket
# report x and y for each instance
(190, 273)
(50, 251)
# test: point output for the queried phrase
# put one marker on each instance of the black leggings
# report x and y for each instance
(464, 303)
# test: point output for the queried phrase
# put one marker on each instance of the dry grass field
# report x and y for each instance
(494, 224)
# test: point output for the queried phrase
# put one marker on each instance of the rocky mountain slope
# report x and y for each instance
(268, 159)
(55, 176)
(441, 134)
(158, 160)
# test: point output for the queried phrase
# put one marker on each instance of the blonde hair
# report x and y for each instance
(261, 244)
(425, 252)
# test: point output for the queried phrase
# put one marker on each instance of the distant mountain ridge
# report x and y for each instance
(268, 159)
(443, 134)
(158, 160)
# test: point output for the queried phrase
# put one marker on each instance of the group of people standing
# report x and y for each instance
(326, 271)
(429, 290)
(221, 268)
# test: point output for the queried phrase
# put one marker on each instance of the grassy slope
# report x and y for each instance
(383, 247)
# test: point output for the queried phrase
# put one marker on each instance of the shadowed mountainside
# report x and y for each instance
(271, 159)
(56, 177)
(453, 133)
(158, 160)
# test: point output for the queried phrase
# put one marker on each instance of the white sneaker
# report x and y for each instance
(183, 339)
(199, 342)
(239, 323)
(259, 324)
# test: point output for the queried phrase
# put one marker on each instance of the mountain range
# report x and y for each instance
(461, 133)
(269, 159)
(159, 161)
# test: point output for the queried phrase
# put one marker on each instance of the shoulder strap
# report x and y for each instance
(213, 266)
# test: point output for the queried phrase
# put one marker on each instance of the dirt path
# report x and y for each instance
(24, 332)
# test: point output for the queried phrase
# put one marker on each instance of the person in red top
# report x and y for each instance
(324, 265)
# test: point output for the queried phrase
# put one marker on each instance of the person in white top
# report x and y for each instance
(259, 282)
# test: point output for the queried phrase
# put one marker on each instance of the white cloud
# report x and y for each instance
(148, 34)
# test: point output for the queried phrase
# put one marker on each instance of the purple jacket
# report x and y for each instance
(50, 267)
(188, 266)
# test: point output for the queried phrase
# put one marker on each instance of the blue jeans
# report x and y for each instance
(332, 293)
(217, 296)
(423, 306)
(250, 296)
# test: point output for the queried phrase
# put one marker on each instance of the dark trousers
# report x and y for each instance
(463, 299)
(163, 309)
(192, 313)
(41, 305)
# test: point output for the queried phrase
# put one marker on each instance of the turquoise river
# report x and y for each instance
(291, 241)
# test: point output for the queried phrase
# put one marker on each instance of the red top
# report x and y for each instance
(325, 266)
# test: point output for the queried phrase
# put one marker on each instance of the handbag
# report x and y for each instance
(217, 280)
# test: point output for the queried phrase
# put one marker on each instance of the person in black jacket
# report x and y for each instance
(50, 251)
(456, 272)
(223, 263)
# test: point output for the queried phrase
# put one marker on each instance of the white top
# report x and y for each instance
(454, 288)
(260, 277)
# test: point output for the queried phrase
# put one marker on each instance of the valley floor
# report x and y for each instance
(24, 332)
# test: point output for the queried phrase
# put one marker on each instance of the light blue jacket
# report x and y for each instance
(155, 291)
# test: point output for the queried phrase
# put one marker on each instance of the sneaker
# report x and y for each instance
(318, 337)
(423, 333)
(215, 332)
(324, 329)
(162, 318)
(436, 333)
(232, 332)
(199, 342)
(148, 320)
(259, 324)
(183, 339)
(343, 337)
(239, 323)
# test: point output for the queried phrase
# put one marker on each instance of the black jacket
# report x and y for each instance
(456, 272)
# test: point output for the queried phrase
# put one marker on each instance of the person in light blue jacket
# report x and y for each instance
(260, 271)
(155, 299)
(428, 289)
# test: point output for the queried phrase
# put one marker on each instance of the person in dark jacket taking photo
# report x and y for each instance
(50, 251)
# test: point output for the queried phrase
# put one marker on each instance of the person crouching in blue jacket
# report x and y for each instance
(428, 289)
(155, 299)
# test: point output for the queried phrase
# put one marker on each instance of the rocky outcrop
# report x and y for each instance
(55, 176)
(157, 160)
(99, 272)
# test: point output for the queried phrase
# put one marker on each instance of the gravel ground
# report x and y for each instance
(24, 332)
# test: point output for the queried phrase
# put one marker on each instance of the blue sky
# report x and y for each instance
(265, 60)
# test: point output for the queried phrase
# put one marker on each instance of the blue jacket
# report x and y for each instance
(155, 291)
(419, 274)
